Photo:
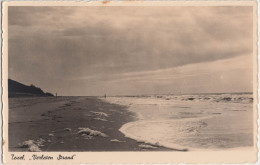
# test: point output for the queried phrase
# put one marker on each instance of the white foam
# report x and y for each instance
(116, 140)
(147, 138)
(33, 146)
(98, 118)
(146, 146)
(67, 129)
(90, 132)
(100, 113)
(177, 121)
(50, 134)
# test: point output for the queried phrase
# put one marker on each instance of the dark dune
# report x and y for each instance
(16, 89)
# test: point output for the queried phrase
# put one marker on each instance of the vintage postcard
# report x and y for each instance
(136, 82)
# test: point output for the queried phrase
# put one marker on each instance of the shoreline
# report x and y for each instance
(195, 121)
(97, 124)
(57, 121)
(155, 143)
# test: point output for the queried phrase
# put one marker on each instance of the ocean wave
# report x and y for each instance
(188, 122)
(124, 130)
(157, 132)
(209, 98)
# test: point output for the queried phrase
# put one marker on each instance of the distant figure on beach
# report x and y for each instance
(56, 94)
(105, 95)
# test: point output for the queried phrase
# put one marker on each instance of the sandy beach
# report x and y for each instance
(161, 123)
(58, 124)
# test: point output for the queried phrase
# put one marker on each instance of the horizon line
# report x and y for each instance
(213, 93)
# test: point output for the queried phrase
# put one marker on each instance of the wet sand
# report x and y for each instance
(56, 121)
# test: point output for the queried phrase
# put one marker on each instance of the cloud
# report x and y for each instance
(216, 76)
(73, 43)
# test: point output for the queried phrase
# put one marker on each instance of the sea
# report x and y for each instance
(191, 122)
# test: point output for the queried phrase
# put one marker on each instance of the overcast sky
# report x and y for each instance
(131, 50)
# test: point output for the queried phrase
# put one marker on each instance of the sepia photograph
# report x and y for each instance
(129, 78)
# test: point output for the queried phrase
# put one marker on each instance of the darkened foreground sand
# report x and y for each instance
(56, 122)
